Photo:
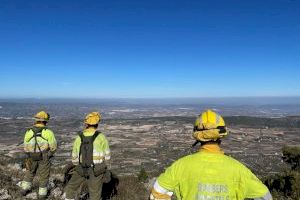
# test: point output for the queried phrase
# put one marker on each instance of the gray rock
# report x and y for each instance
(4, 194)
(57, 192)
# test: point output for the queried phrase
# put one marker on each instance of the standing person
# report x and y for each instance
(209, 174)
(39, 145)
(90, 151)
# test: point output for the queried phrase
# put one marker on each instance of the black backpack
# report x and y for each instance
(86, 149)
(36, 155)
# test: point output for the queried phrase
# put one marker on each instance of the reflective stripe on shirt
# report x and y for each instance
(161, 190)
(268, 196)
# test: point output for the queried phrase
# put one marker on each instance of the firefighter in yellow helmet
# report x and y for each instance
(90, 154)
(209, 174)
(39, 145)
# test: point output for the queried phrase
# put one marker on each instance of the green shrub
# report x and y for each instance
(143, 175)
(286, 185)
(291, 155)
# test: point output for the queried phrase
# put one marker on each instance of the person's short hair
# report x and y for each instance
(218, 141)
(92, 126)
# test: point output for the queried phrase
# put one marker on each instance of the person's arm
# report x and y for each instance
(165, 184)
(254, 188)
(28, 147)
(51, 141)
(106, 149)
(75, 151)
(160, 193)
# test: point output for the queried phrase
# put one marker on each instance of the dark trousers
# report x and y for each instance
(94, 185)
(41, 169)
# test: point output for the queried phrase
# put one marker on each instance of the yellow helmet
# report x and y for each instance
(92, 118)
(209, 126)
(42, 116)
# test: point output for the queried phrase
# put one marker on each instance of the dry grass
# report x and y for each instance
(130, 188)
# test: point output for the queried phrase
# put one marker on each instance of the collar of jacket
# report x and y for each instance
(211, 148)
(90, 129)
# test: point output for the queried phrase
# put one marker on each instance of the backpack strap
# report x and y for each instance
(95, 135)
(37, 133)
(36, 143)
(80, 134)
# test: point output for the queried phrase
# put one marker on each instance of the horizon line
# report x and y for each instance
(204, 97)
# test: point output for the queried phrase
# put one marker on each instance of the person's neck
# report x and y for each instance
(211, 148)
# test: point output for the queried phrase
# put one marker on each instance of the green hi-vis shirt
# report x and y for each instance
(101, 151)
(46, 142)
(206, 175)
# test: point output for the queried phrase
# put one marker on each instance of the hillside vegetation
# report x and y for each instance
(257, 122)
(283, 185)
(286, 185)
(119, 188)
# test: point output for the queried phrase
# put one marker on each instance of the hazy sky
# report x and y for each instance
(154, 48)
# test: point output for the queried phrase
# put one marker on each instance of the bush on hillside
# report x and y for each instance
(286, 185)
(291, 155)
(143, 175)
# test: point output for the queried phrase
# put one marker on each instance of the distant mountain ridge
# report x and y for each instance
(251, 100)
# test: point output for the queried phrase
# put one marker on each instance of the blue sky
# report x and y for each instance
(157, 48)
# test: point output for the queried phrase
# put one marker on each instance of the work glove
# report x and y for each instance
(68, 172)
(107, 176)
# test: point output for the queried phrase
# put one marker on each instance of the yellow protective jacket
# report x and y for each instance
(209, 175)
(46, 141)
(101, 151)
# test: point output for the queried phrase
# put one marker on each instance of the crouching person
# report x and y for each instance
(39, 146)
(90, 151)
